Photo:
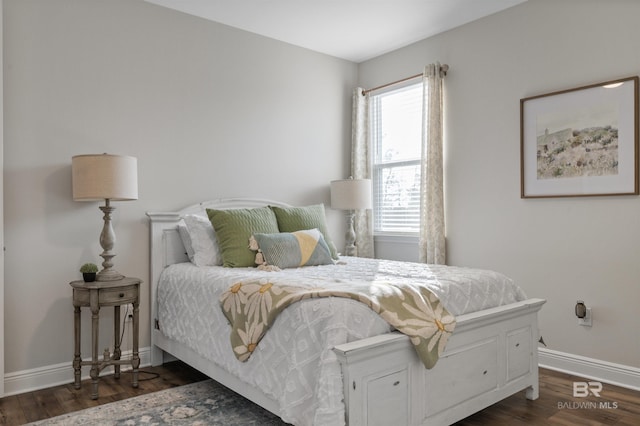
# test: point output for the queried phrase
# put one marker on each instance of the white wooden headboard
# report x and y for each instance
(166, 246)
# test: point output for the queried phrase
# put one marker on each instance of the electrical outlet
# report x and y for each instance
(586, 321)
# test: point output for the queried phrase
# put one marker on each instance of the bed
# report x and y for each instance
(365, 377)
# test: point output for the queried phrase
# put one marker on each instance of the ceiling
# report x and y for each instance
(355, 30)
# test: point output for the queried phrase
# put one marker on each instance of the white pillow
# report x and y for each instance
(186, 239)
(204, 243)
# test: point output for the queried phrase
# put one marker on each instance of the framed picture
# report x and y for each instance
(580, 142)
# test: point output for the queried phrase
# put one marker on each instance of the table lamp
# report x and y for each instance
(110, 178)
(351, 195)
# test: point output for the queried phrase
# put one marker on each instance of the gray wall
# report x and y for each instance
(209, 111)
(558, 249)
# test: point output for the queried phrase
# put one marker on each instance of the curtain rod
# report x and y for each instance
(443, 68)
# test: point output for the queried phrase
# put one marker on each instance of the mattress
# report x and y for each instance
(294, 363)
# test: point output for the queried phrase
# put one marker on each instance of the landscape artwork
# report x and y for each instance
(578, 143)
(581, 142)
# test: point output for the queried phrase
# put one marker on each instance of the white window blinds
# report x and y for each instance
(396, 132)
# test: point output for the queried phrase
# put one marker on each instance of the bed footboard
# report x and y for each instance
(491, 355)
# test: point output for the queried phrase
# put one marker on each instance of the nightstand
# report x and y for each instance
(96, 295)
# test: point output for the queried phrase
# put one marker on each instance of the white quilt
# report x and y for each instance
(294, 363)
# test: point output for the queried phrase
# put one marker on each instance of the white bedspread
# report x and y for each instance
(294, 363)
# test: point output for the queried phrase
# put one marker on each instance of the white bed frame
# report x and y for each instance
(491, 355)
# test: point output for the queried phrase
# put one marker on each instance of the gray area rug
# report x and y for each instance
(203, 403)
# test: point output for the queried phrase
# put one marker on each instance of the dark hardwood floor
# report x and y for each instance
(556, 405)
(42, 404)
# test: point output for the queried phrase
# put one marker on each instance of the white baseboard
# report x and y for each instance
(59, 374)
(603, 371)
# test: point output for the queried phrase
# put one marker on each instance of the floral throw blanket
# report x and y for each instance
(252, 307)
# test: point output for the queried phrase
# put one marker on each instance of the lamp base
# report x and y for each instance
(350, 248)
(107, 241)
(109, 275)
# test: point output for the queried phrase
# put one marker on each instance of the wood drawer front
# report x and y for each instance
(469, 371)
(117, 296)
(387, 399)
(518, 353)
(80, 297)
(106, 296)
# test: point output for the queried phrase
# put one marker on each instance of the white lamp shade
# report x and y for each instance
(103, 176)
(351, 194)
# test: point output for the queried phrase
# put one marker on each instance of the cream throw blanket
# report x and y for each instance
(252, 307)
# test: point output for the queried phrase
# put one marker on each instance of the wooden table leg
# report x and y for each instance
(135, 361)
(77, 359)
(116, 337)
(95, 317)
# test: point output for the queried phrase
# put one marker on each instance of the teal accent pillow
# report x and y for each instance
(291, 219)
(233, 229)
(291, 249)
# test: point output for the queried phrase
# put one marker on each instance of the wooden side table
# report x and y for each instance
(96, 295)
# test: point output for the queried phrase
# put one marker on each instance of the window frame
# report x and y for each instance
(378, 167)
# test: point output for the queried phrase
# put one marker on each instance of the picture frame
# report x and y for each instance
(580, 142)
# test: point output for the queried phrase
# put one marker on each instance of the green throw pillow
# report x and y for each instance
(292, 249)
(233, 229)
(291, 219)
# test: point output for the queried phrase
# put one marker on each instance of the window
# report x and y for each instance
(396, 133)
